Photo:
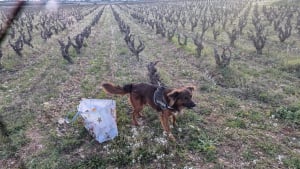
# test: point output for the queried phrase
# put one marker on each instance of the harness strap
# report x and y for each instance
(159, 99)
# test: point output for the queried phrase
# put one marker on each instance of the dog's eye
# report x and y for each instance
(187, 98)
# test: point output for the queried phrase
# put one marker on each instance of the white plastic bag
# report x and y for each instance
(99, 118)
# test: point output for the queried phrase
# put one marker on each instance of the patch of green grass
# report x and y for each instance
(263, 95)
(165, 77)
(293, 162)
(90, 163)
(248, 155)
(11, 61)
(190, 48)
(85, 44)
(97, 66)
(266, 96)
(187, 73)
(268, 147)
(236, 123)
(254, 116)
(231, 103)
(72, 52)
(121, 73)
(229, 77)
(68, 143)
(207, 88)
(207, 54)
(59, 145)
(145, 155)
(47, 159)
(194, 137)
(289, 114)
(16, 128)
(287, 3)
(290, 90)
(87, 88)
(121, 158)
(292, 65)
(123, 109)
(189, 117)
(4, 88)
(248, 71)
(206, 110)
(16, 141)
(123, 51)
(205, 145)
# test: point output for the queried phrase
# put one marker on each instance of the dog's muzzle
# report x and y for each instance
(190, 105)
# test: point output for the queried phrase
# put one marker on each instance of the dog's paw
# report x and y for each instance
(171, 137)
(140, 115)
(135, 123)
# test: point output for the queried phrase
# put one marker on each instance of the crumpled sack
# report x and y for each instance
(99, 118)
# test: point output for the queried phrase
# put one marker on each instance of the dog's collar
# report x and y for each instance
(159, 99)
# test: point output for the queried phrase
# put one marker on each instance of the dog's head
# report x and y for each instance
(182, 98)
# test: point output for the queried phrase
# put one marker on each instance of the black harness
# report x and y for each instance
(159, 99)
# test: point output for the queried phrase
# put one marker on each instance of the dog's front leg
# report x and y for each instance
(161, 118)
(164, 119)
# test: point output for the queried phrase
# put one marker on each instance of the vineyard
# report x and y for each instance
(242, 56)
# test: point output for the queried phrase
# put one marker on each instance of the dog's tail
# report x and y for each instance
(115, 89)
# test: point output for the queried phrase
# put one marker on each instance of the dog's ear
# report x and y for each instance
(174, 94)
(191, 88)
(173, 97)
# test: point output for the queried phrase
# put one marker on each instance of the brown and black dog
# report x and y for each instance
(142, 94)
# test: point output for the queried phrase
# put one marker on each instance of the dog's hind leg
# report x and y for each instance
(139, 114)
(135, 115)
(137, 108)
